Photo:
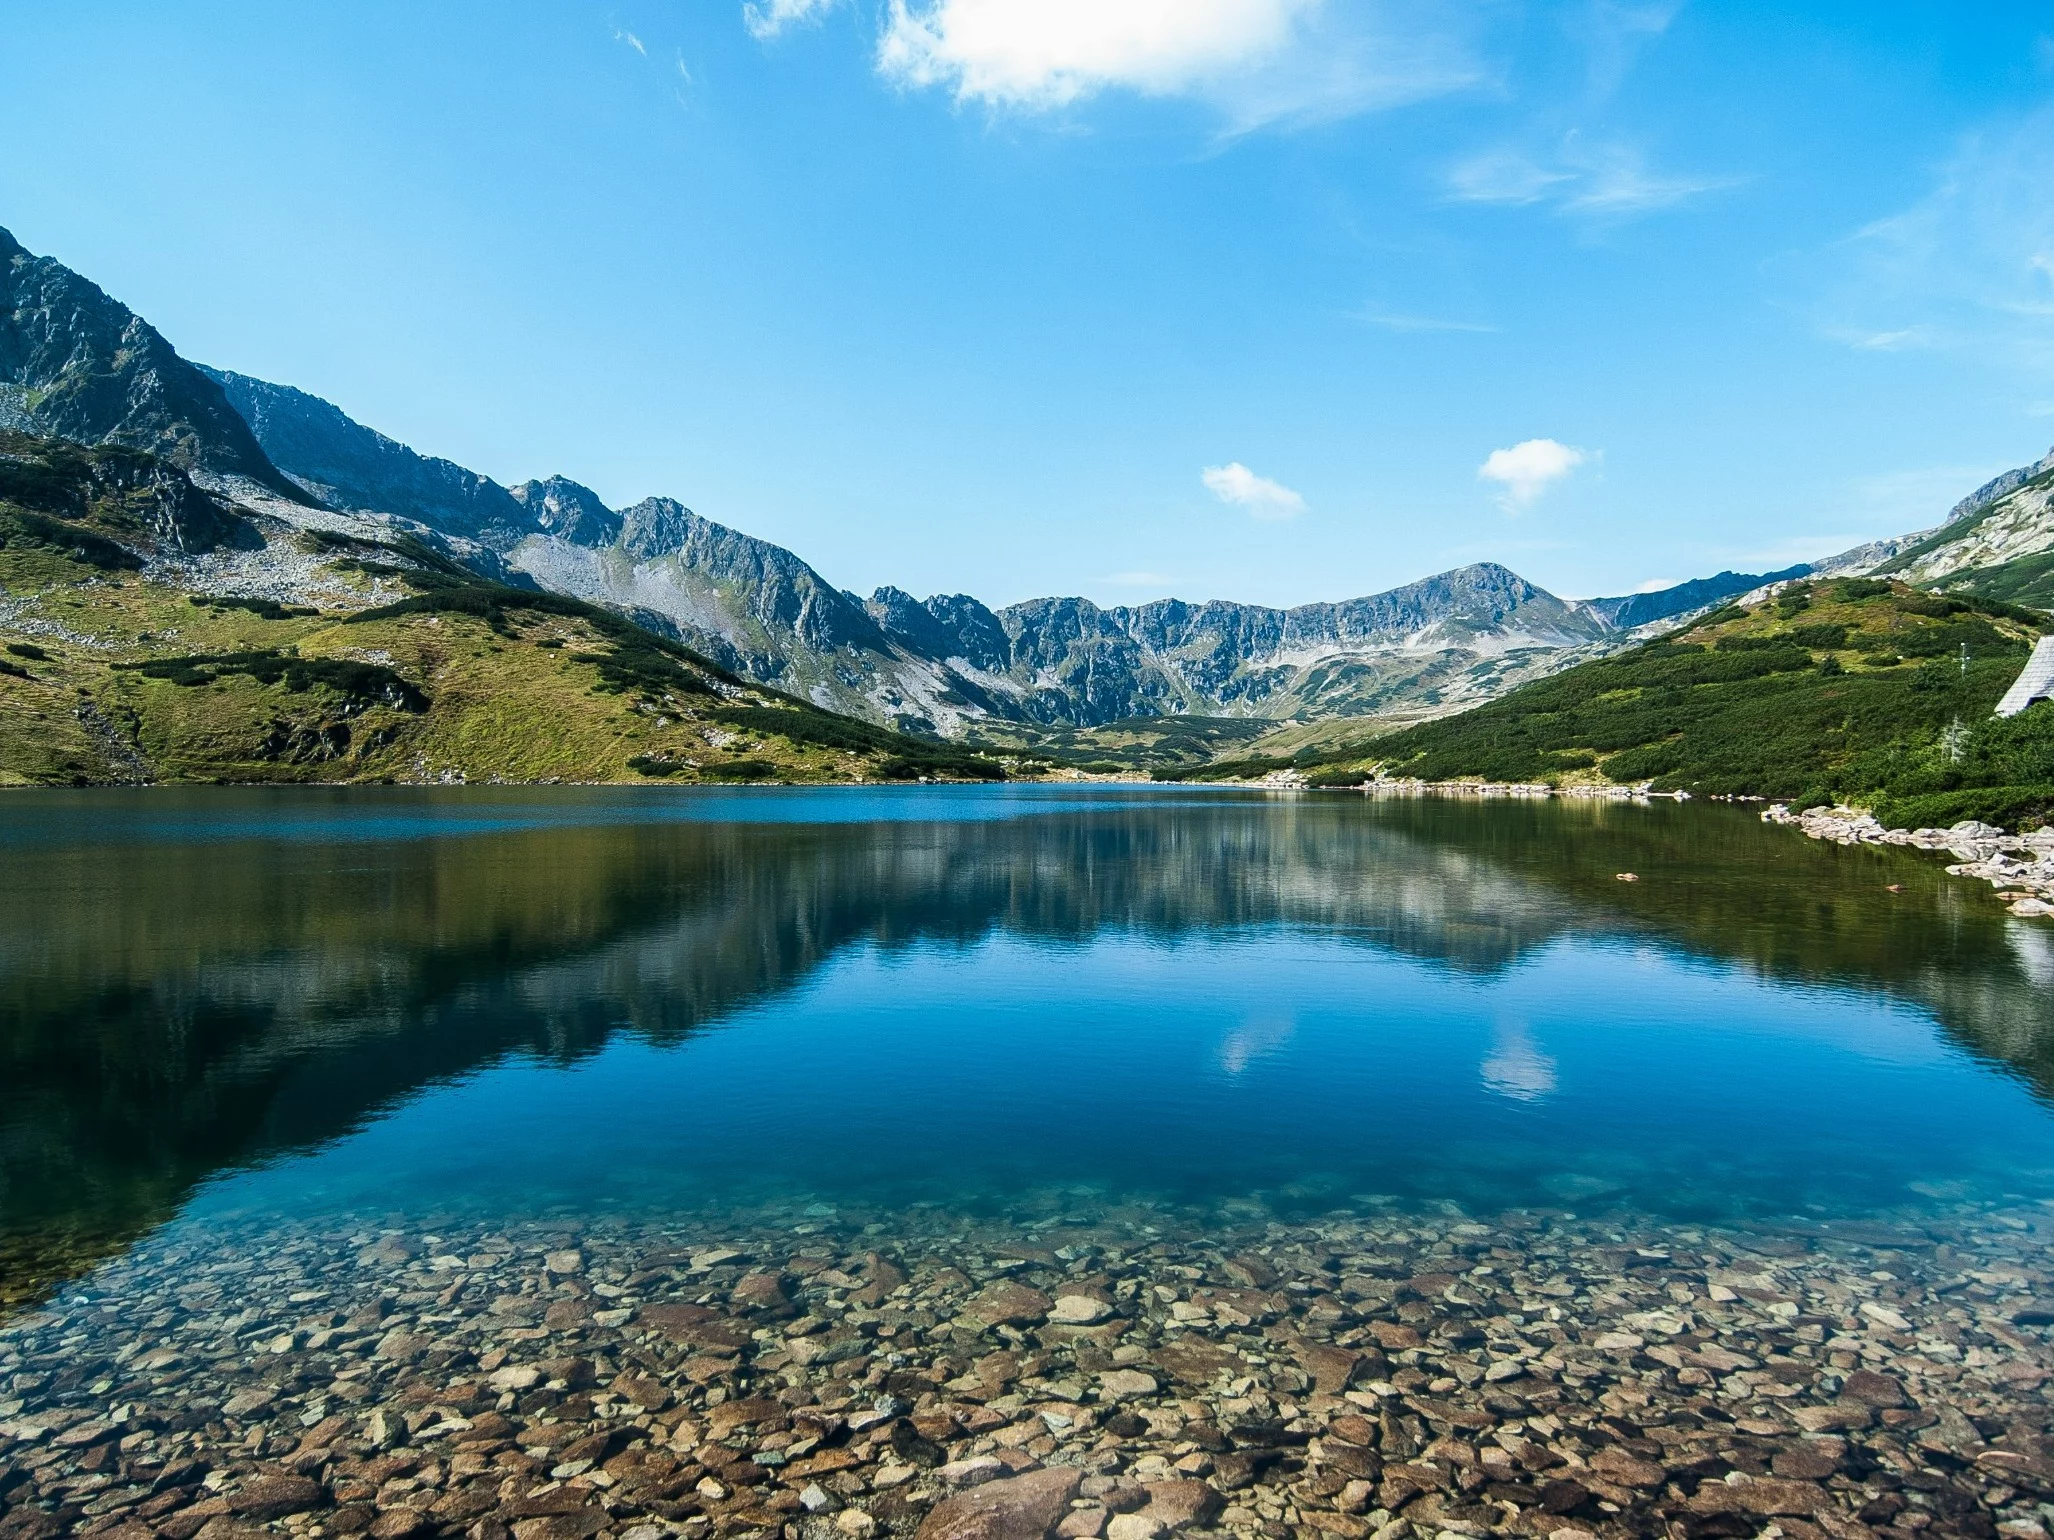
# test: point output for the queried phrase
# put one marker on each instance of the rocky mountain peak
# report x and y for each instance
(561, 507)
(78, 364)
(1999, 486)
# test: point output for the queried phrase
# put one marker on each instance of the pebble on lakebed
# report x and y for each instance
(1123, 1372)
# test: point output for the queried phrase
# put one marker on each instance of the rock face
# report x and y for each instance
(1999, 541)
(562, 508)
(348, 465)
(77, 364)
(103, 493)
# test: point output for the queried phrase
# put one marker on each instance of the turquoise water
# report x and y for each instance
(528, 1002)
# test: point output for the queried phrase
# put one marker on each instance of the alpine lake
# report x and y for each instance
(1008, 1161)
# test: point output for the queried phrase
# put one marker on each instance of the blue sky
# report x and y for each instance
(1277, 300)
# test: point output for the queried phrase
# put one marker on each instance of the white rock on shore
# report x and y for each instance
(2020, 866)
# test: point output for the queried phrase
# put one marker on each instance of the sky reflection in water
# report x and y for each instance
(522, 1001)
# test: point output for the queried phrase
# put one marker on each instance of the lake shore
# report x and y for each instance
(2019, 866)
(1126, 1372)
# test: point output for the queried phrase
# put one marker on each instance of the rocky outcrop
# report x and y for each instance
(80, 365)
(560, 507)
(348, 465)
(136, 501)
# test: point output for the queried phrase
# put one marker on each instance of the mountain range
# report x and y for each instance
(76, 364)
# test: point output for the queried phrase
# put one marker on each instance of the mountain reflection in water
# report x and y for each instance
(195, 982)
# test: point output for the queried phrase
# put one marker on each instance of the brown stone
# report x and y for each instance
(1251, 1272)
(273, 1497)
(1006, 1303)
(1350, 1459)
(1838, 1417)
(576, 1373)
(1762, 1496)
(1812, 1459)
(1354, 1429)
(581, 1525)
(1195, 1361)
(1018, 1508)
(1876, 1389)
(400, 1524)
(1616, 1464)
(729, 1415)
(642, 1391)
(761, 1291)
(1333, 1369)
(567, 1315)
(1182, 1502)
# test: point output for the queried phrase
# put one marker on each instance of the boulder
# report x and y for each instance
(1020, 1508)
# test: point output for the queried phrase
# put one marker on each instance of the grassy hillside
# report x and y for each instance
(2022, 580)
(112, 668)
(1855, 689)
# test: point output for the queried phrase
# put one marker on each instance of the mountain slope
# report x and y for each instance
(348, 465)
(80, 365)
(1634, 610)
(76, 364)
(409, 668)
(1845, 689)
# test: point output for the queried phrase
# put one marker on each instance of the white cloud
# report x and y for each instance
(1235, 483)
(765, 19)
(1599, 181)
(1528, 469)
(1258, 61)
(620, 36)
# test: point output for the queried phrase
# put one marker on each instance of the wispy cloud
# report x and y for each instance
(1394, 322)
(1528, 469)
(621, 35)
(1598, 181)
(766, 19)
(1235, 484)
(1970, 264)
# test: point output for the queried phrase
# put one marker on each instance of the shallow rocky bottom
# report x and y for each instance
(1070, 1368)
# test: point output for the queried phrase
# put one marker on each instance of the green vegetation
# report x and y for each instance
(461, 678)
(362, 684)
(265, 609)
(1134, 744)
(1879, 694)
(1947, 534)
(2023, 580)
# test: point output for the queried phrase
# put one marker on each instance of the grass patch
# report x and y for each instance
(263, 609)
(21, 530)
(365, 684)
